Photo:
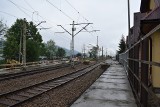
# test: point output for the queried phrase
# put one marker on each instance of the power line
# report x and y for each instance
(80, 15)
(19, 8)
(32, 9)
(29, 5)
(67, 15)
(38, 12)
(44, 18)
(72, 6)
(76, 10)
(60, 10)
(8, 14)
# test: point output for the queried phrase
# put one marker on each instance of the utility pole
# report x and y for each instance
(102, 52)
(106, 53)
(20, 47)
(128, 16)
(73, 35)
(97, 49)
(24, 43)
(73, 29)
(84, 51)
(23, 38)
(129, 22)
(71, 51)
(97, 43)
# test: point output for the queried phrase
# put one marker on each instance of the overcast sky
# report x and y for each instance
(108, 16)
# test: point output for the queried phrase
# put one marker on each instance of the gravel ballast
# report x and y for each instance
(64, 96)
(17, 83)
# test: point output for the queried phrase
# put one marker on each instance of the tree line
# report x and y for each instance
(122, 45)
(35, 47)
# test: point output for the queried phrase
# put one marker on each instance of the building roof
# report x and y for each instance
(137, 19)
(145, 6)
(135, 30)
(155, 14)
(158, 2)
(151, 20)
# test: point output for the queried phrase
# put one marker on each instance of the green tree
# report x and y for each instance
(122, 45)
(43, 49)
(60, 52)
(93, 52)
(79, 55)
(3, 28)
(13, 37)
(50, 49)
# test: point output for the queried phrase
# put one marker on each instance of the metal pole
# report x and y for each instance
(20, 47)
(129, 21)
(97, 48)
(72, 34)
(71, 51)
(24, 42)
(84, 52)
(102, 52)
(106, 53)
(73, 44)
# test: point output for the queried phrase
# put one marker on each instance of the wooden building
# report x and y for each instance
(151, 8)
(142, 59)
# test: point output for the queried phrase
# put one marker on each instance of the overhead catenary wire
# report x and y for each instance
(8, 14)
(60, 10)
(34, 11)
(19, 8)
(23, 10)
(80, 15)
(72, 6)
(29, 5)
(45, 19)
(67, 15)
(76, 9)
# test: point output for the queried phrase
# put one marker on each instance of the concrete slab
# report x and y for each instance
(112, 89)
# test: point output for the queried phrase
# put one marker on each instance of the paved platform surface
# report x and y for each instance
(112, 89)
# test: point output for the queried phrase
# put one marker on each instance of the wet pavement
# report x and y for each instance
(112, 89)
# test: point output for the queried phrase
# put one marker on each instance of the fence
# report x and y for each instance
(138, 65)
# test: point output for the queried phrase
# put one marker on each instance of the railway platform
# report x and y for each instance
(112, 89)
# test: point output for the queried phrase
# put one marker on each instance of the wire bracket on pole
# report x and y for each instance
(72, 34)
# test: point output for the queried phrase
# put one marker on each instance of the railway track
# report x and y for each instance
(20, 96)
(33, 71)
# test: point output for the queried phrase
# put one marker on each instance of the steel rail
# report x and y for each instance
(35, 90)
(31, 72)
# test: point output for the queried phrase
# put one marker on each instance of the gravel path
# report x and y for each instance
(64, 96)
(14, 84)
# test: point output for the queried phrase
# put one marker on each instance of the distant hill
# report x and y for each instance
(68, 51)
